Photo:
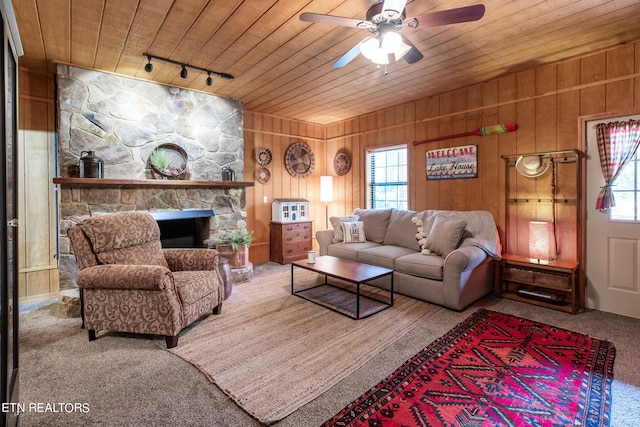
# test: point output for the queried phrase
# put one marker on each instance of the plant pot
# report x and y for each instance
(238, 258)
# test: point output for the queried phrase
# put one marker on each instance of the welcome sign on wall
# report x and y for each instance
(454, 162)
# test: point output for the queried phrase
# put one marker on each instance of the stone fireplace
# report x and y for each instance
(123, 120)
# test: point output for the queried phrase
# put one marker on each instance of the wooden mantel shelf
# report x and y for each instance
(102, 182)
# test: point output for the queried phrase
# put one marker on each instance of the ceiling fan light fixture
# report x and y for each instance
(391, 42)
(401, 51)
(370, 49)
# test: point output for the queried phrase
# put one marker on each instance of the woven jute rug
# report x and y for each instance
(273, 352)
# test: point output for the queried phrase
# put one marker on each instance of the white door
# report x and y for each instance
(613, 247)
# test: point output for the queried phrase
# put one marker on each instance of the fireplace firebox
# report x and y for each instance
(183, 229)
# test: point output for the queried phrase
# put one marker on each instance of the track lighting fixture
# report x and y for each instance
(183, 72)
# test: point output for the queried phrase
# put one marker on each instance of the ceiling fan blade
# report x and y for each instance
(446, 17)
(348, 57)
(332, 20)
(413, 55)
(393, 8)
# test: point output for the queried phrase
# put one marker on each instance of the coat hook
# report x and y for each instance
(539, 200)
(565, 199)
(526, 198)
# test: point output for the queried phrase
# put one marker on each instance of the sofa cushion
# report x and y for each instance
(349, 250)
(376, 222)
(419, 265)
(336, 222)
(353, 232)
(401, 230)
(444, 236)
(383, 256)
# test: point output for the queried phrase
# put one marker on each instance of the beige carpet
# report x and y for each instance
(273, 352)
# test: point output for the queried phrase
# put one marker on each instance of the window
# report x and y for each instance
(626, 191)
(387, 178)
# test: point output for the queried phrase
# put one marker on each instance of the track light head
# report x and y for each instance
(183, 72)
(209, 80)
(148, 67)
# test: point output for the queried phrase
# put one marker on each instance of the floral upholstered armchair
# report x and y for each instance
(128, 283)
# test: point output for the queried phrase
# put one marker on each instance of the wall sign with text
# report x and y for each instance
(453, 162)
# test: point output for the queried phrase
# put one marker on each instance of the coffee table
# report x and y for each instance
(342, 297)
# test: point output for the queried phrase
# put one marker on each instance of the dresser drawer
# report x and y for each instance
(296, 236)
(517, 274)
(550, 280)
(295, 228)
(297, 248)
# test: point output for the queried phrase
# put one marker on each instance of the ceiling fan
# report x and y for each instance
(384, 20)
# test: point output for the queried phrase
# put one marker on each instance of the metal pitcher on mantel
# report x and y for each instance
(90, 165)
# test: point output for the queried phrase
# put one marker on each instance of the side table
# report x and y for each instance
(552, 285)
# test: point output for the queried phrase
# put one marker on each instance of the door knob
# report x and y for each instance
(13, 223)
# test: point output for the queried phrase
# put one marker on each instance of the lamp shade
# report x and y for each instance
(326, 188)
(539, 241)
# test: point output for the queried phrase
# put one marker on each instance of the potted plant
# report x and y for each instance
(234, 246)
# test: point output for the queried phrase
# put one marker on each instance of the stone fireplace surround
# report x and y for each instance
(122, 120)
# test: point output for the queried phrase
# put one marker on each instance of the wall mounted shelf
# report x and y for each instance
(106, 182)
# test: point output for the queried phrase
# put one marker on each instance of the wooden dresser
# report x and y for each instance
(290, 241)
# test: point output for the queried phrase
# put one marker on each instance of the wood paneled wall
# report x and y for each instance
(277, 134)
(545, 102)
(37, 246)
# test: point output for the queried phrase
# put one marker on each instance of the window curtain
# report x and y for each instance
(617, 144)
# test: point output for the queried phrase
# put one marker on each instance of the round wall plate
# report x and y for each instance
(263, 156)
(299, 160)
(263, 175)
(342, 163)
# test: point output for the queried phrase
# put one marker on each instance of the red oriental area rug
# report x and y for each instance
(494, 369)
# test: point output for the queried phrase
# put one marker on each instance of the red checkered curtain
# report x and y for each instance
(617, 144)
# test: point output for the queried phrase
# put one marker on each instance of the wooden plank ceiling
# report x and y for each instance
(283, 66)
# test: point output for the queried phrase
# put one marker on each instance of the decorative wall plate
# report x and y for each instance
(263, 175)
(299, 160)
(263, 156)
(342, 163)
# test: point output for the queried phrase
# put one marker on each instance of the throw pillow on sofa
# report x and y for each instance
(402, 230)
(376, 222)
(353, 232)
(336, 222)
(444, 236)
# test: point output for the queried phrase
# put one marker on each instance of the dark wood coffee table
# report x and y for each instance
(342, 297)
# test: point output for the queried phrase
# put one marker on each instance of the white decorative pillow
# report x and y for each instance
(444, 236)
(336, 222)
(353, 232)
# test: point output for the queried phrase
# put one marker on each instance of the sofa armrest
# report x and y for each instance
(124, 276)
(467, 276)
(324, 239)
(192, 259)
(464, 259)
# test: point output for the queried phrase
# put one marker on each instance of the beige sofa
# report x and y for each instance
(450, 264)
